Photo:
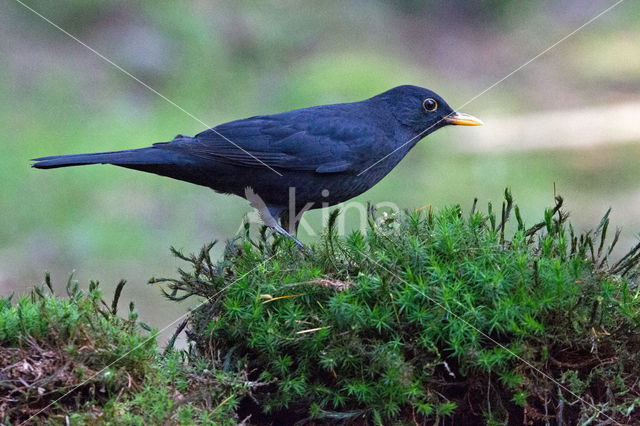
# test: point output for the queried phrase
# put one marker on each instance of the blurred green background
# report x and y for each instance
(223, 60)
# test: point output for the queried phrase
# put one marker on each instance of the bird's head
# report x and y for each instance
(422, 110)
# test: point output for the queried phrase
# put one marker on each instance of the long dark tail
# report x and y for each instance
(131, 157)
(164, 159)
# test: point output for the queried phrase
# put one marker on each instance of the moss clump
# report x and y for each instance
(425, 316)
(74, 360)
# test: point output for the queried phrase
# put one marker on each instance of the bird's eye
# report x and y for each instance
(430, 105)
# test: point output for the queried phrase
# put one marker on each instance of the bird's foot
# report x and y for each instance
(301, 246)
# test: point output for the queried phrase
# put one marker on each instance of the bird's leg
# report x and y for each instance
(289, 227)
(271, 216)
(284, 232)
(289, 223)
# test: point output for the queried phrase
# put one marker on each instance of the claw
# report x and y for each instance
(301, 246)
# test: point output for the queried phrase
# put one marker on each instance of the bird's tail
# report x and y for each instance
(131, 157)
(164, 158)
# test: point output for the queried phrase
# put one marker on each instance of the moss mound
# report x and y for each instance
(426, 317)
(73, 360)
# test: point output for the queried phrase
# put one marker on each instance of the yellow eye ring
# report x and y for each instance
(430, 105)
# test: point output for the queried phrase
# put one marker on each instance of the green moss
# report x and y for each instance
(426, 315)
(76, 358)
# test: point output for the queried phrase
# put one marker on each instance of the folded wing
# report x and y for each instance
(299, 141)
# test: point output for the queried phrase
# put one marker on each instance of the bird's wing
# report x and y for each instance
(324, 143)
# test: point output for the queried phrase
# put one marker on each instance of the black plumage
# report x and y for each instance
(327, 153)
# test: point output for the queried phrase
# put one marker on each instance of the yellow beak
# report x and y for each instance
(461, 119)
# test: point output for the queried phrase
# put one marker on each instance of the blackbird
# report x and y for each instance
(297, 160)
